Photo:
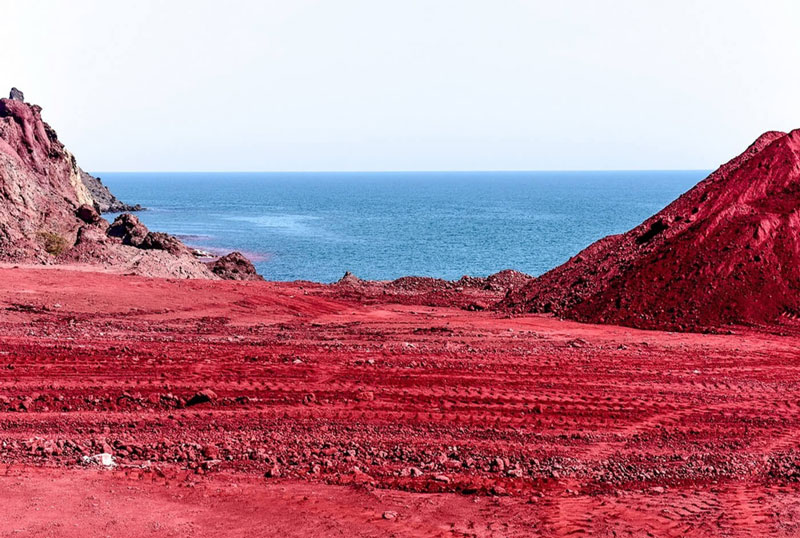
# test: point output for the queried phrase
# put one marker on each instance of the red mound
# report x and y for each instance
(472, 293)
(726, 252)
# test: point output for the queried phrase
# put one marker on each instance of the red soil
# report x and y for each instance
(726, 252)
(317, 413)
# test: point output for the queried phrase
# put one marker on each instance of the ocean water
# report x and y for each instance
(316, 226)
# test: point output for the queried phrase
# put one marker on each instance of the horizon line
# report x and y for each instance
(498, 171)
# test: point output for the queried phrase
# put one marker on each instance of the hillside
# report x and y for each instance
(725, 252)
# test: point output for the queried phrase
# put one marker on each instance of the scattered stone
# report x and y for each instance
(390, 515)
(577, 343)
(203, 396)
(103, 460)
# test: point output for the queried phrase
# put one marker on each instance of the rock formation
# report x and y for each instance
(725, 252)
(105, 202)
(234, 266)
(48, 215)
(16, 95)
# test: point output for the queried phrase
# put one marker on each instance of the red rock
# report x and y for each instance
(203, 396)
(234, 266)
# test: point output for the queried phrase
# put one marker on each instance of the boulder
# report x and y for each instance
(88, 214)
(128, 228)
(234, 266)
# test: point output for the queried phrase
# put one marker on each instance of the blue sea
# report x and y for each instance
(316, 226)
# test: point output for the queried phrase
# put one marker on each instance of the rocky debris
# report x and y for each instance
(16, 95)
(725, 252)
(163, 241)
(234, 266)
(507, 279)
(132, 232)
(389, 514)
(129, 229)
(469, 293)
(104, 200)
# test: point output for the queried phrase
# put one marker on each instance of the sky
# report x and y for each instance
(263, 85)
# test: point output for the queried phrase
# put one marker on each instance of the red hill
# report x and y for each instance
(725, 252)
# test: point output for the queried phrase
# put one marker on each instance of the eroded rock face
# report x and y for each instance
(234, 266)
(726, 252)
(16, 95)
(40, 187)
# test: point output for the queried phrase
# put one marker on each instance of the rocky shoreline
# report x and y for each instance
(51, 211)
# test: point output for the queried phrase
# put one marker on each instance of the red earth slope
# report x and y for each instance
(727, 251)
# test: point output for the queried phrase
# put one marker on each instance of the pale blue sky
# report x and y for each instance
(405, 85)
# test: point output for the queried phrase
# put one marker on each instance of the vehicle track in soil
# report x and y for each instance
(578, 428)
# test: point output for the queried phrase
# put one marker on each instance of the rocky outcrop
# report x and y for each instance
(132, 232)
(104, 200)
(234, 266)
(16, 95)
(48, 215)
(726, 252)
(40, 186)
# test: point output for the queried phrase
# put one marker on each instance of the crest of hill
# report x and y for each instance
(725, 252)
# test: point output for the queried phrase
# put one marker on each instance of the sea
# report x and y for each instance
(380, 226)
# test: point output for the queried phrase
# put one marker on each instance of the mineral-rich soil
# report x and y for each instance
(262, 409)
(727, 251)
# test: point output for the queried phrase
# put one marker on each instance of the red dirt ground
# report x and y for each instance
(325, 413)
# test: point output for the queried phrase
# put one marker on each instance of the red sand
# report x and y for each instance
(325, 413)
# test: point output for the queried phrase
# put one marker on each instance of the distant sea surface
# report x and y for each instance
(316, 226)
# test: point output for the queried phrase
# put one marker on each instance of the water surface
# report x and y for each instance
(316, 226)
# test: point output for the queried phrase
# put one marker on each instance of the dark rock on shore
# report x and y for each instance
(128, 228)
(234, 266)
(132, 232)
(105, 202)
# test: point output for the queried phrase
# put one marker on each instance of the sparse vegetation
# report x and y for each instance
(54, 243)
